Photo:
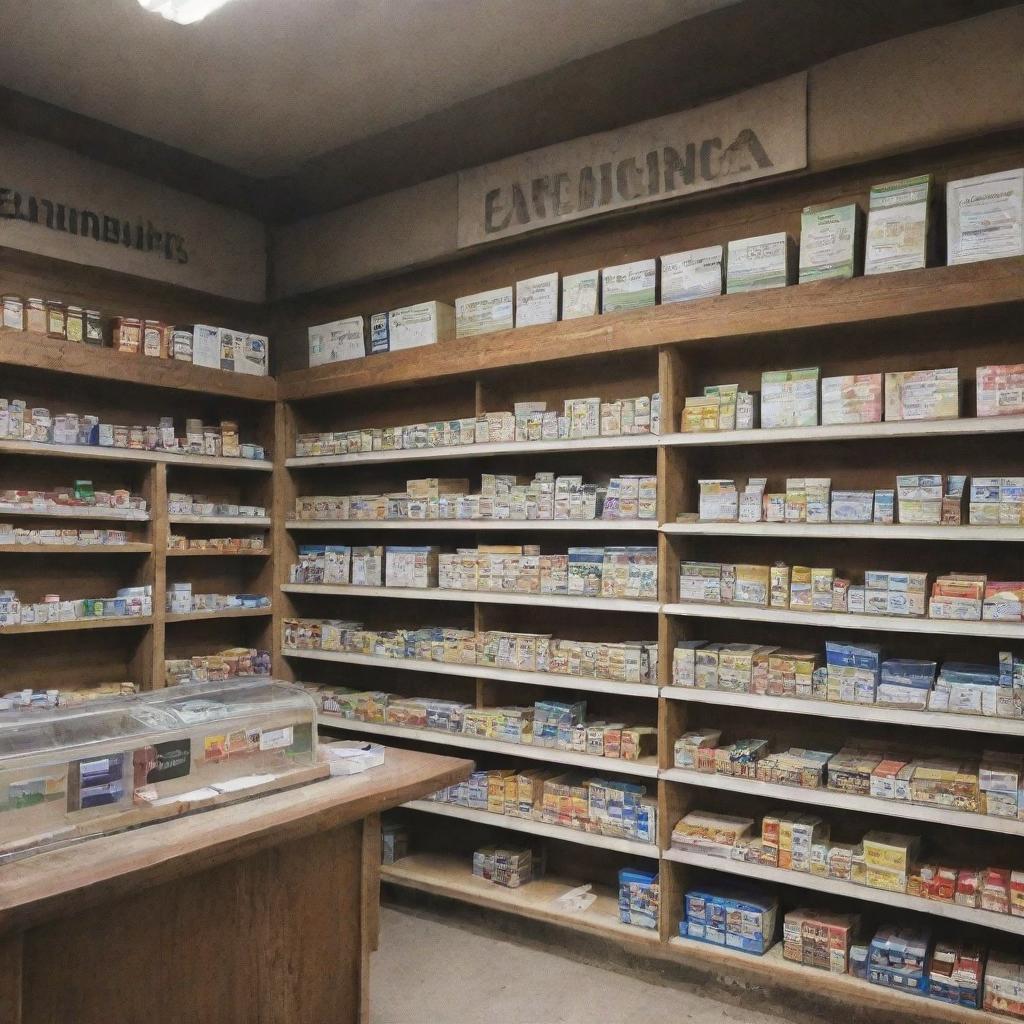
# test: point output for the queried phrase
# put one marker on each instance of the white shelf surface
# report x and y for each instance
(846, 801)
(849, 531)
(130, 548)
(470, 525)
(848, 712)
(851, 432)
(78, 512)
(463, 451)
(220, 613)
(444, 668)
(476, 597)
(540, 828)
(99, 622)
(92, 451)
(219, 520)
(805, 880)
(646, 768)
(839, 620)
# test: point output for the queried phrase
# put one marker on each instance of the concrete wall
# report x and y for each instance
(910, 93)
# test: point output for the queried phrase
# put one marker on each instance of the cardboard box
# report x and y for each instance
(765, 261)
(628, 286)
(829, 242)
(898, 233)
(537, 300)
(332, 342)
(695, 274)
(985, 217)
(581, 295)
(922, 395)
(484, 312)
(426, 323)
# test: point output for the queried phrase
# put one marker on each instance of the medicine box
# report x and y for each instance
(829, 242)
(757, 263)
(695, 274)
(628, 286)
(537, 300)
(581, 295)
(898, 227)
(331, 342)
(426, 323)
(484, 312)
(985, 217)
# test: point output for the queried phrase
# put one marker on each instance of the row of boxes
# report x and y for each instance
(14, 535)
(129, 602)
(579, 419)
(803, 398)
(621, 810)
(181, 601)
(203, 505)
(624, 662)
(231, 663)
(80, 499)
(501, 497)
(991, 785)
(553, 724)
(254, 542)
(20, 422)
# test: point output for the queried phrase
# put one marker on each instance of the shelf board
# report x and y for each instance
(884, 431)
(805, 880)
(452, 876)
(468, 451)
(444, 668)
(540, 828)
(74, 512)
(839, 620)
(848, 712)
(476, 597)
(34, 351)
(473, 525)
(846, 801)
(76, 549)
(104, 622)
(849, 531)
(224, 613)
(94, 452)
(774, 969)
(219, 520)
(865, 300)
(646, 768)
(216, 553)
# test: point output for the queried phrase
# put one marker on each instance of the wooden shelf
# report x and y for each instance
(104, 622)
(452, 876)
(839, 620)
(224, 613)
(846, 801)
(540, 828)
(73, 513)
(34, 351)
(774, 969)
(885, 431)
(219, 520)
(861, 300)
(849, 712)
(850, 531)
(628, 442)
(94, 452)
(215, 553)
(474, 525)
(646, 768)
(76, 549)
(444, 668)
(805, 880)
(476, 597)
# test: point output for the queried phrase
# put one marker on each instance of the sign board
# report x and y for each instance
(58, 204)
(754, 134)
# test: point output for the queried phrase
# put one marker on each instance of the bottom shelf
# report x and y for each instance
(448, 875)
(451, 876)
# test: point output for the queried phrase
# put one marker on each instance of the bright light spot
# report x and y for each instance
(184, 12)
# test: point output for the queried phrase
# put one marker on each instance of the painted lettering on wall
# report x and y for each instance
(752, 135)
(135, 234)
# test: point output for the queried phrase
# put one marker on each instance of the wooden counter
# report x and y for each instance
(263, 912)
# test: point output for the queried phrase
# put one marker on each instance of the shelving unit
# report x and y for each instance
(127, 389)
(964, 316)
(490, 525)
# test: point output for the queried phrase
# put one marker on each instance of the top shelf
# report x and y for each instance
(19, 348)
(907, 294)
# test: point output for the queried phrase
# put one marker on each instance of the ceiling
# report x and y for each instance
(261, 86)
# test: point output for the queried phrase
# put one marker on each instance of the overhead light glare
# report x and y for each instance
(183, 12)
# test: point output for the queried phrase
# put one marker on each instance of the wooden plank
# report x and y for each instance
(937, 290)
(131, 548)
(105, 622)
(11, 964)
(37, 352)
(223, 613)
(64, 882)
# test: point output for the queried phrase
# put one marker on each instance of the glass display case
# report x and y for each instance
(70, 773)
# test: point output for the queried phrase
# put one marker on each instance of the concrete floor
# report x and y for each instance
(420, 976)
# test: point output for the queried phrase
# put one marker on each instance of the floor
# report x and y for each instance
(431, 972)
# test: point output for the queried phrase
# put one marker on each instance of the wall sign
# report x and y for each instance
(58, 204)
(17, 204)
(755, 134)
